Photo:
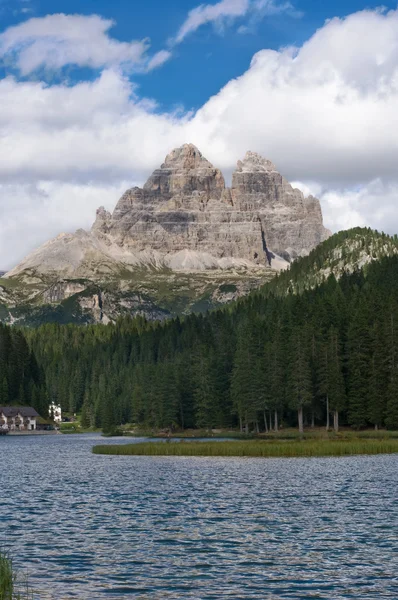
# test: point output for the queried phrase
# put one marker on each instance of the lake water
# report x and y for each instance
(101, 527)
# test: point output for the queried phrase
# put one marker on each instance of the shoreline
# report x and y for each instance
(28, 433)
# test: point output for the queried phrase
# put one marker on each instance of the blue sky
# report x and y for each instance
(207, 59)
(94, 94)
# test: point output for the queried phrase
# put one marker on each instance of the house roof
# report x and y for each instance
(13, 411)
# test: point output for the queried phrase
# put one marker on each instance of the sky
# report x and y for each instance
(94, 94)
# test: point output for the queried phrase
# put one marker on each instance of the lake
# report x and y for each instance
(103, 527)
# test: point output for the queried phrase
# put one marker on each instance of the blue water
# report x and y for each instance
(101, 527)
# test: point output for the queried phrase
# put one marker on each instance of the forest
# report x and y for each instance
(22, 381)
(326, 356)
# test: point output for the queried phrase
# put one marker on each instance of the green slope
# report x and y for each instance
(344, 252)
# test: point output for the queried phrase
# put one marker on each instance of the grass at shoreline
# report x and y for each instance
(9, 581)
(255, 448)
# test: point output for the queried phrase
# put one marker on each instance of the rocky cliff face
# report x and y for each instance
(186, 214)
(292, 224)
(183, 220)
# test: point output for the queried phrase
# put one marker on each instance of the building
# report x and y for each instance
(54, 412)
(18, 418)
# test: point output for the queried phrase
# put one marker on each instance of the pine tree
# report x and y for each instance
(246, 380)
(379, 377)
(336, 391)
(359, 366)
(4, 392)
(203, 392)
(300, 385)
(391, 340)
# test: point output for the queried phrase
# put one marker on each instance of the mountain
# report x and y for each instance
(184, 242)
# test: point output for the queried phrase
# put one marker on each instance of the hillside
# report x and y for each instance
(343, 253)
(158, 294)
(155, 294)
(323, 357)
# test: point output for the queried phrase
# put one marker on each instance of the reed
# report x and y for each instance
(10, 586)
(255, 448)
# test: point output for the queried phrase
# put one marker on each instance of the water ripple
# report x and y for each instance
(90, 527)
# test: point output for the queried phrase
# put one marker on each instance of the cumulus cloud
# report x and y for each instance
(373, 204)
(96, 130)
(324, 113)
(42, 210)
(59, 39)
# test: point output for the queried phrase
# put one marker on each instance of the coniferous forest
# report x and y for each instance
(22, 381)
(267, 361)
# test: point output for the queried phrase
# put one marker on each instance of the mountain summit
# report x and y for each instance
(185, 218)
(185, 206)
(182, 242)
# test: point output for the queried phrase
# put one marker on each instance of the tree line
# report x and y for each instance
(327, 356)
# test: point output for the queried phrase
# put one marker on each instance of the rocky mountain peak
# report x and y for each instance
(102, 221)
(186, 157)
(184, 173)
(184, 218)
(254, 162)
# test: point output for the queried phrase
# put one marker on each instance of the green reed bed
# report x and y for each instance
(254, 448)
(10, 588)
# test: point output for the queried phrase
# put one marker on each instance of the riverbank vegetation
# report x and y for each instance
(255, 448)
(10, 587)
(284, 356)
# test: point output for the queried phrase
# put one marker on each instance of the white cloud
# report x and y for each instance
(323, 113)
(373, 204)
(211, 13)
(91, 131)
(58, 40)
(226, 11)
(326, 111)
(44, 209)
(159, 59)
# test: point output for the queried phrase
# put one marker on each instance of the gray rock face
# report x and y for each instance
(185, 206)
(292, 224)
(185, 218)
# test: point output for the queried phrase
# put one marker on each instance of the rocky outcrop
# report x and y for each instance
(61, 290)
(186, 219)
(186, 216)
(292, 224)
